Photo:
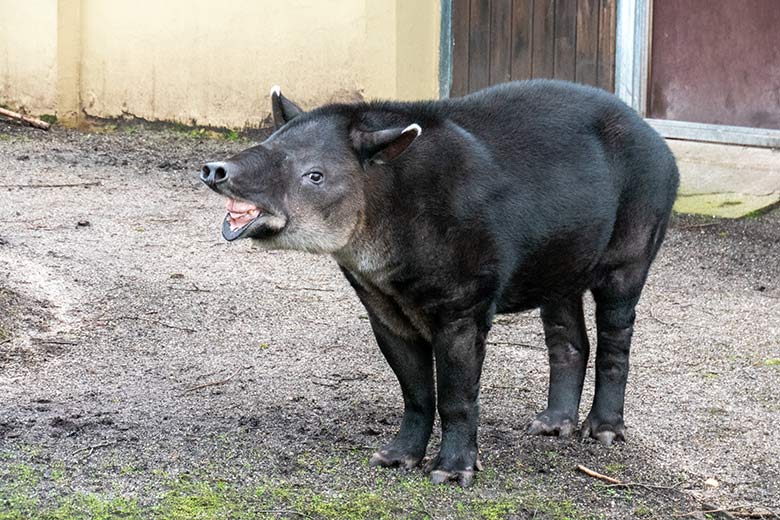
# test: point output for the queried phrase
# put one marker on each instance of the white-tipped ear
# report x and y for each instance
(413, 127)
(382, 146)
(283, 109)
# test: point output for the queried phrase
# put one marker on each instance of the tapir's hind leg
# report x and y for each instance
(616, 294)
(615, 324)
(568, 349)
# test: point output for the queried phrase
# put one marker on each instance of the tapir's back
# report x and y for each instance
(546, 122)
(554, 138)
(574, 173)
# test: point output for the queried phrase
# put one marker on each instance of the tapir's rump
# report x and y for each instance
(443, 213)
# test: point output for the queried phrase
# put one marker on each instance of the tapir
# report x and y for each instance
(442, 214)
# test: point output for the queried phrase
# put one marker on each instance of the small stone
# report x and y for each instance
(168, 165)
(23, 158)
(711, 483)
(83, 223)
(177, 276)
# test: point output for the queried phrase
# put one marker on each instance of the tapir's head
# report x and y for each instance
(303, 187)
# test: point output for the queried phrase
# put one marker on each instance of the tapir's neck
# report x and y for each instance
(368, 251)
(372, 247)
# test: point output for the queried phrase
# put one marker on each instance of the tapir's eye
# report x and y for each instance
(315, 177)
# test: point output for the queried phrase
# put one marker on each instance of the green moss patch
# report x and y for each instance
(189, 498)
(726, 205)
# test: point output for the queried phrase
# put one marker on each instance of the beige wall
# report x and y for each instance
(213, 62)
(417, 48)
(28, 55)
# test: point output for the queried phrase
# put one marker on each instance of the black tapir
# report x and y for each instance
(442, 214)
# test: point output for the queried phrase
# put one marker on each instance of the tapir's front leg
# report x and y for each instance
(412, 363)
(459, 349)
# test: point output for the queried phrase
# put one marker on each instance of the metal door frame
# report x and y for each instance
(632, 76)
(445, 49)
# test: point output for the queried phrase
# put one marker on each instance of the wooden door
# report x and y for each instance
(494, 41)
(716, 62)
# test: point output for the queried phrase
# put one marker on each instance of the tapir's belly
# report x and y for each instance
(567, 264)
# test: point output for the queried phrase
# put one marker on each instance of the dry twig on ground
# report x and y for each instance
(513, 344)
(283, 512)
(215, 383)
(318, 289)
(44, 341)
(92, 448)
(600, 476)
(32, 121)
(744, 511)
(64, 185)
(156, 322)
(613, 482)
(194, 288)
(338, 380)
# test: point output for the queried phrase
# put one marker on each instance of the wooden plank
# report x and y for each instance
(522, 34)
(587, 41)
(479, 45)
(460, 47)
(565, 39)
(500, 41)
(543, 41)
(607, 40)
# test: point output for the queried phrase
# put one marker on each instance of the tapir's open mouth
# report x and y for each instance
(241, 213)
(239, 219)
(247, 220)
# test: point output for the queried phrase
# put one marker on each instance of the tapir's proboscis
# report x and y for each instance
(442, 214)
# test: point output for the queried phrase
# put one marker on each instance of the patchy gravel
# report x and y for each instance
(149, 369)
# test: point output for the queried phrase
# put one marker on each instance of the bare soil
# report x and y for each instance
(148, 369)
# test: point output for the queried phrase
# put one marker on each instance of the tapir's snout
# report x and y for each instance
(215, 173)
(251, 211)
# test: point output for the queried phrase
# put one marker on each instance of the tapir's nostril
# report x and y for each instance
(215, 173)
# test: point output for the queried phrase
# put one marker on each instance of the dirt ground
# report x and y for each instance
(148, 369)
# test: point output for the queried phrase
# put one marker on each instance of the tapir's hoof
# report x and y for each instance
(390, 458)
(465, 477)
(440, 475)
(551, 423)
(603, 432)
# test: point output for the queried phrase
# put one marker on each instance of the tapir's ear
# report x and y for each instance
(283, 109)
(383, 146)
